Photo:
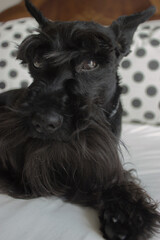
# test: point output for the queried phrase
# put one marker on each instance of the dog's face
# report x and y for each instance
(74, 68)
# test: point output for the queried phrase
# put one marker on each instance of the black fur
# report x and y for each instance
(60, 136)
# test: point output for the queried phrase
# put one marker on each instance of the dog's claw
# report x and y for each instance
(122, 237)
(114, 219)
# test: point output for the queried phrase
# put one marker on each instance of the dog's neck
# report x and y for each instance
(115, 109)
(114, 104)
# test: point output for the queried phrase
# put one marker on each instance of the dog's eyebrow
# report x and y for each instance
(90, 43)
(55, 54)
(60, 57)
(63, 56)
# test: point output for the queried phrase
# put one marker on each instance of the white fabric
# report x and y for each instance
(52, 219)
(140, 73)
(12, 33)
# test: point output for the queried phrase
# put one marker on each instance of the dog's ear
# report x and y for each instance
(124, 28)
(36, 14)
(33, 47)
(27, 48)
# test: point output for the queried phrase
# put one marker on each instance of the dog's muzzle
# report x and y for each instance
(47, 123)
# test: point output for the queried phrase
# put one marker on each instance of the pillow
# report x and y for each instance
(140, 70)
(12, 73)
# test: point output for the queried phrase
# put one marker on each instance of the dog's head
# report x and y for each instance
(74, 71)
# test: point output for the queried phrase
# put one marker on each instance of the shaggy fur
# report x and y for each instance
(60, 136)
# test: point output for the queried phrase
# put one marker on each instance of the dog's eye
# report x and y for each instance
(37, 64)
(86, 65)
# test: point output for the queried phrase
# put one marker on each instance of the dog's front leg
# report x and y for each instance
(128, 213)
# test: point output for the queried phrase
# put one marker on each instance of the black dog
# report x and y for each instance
(60, 136)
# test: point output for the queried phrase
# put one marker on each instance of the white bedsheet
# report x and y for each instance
(52, 219)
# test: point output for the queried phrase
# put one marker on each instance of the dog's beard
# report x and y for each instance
(86, 163)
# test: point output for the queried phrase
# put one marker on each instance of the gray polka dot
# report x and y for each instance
(143, 35)
(154, 42)
(125, 89)
(29, 30)
(4, 44)
(156, 28)
(3, 63)
(8, 28)
(138, 77)
(24, 83)
(22, 21)
(124, 113)
(151, 91)
(13, 73)
(153, 65)
(24, 65)
(141, 52)
(126, 64)
(2, 85)
(149, 115)
(136, 103)
(14, 53)
(135, 121)
(146, 27)
(17, 35)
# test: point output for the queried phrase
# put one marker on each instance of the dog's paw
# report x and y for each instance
(114, 225)
(128, 213)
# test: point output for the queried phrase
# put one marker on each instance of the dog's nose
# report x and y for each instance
(46, 123)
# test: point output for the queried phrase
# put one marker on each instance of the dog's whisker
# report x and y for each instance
(104, 110)
(18, 111)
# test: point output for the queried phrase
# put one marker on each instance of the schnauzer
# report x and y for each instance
(60, 136)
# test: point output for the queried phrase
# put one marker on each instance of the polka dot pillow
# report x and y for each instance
(140, 71)
(12, 73)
